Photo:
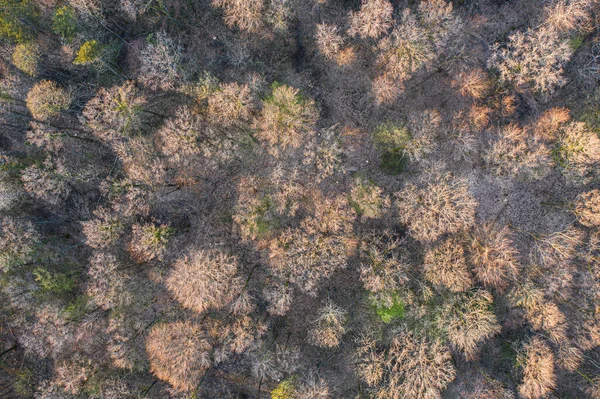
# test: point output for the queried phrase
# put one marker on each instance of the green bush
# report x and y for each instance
(77, 309)
(391, 137)
(392, 140)
(53, 283)
(24, 384)
(64, 23)
(393, 162)
(387, 314)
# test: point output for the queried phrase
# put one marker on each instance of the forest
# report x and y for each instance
(300, 199)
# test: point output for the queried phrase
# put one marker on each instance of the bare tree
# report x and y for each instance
(161, 61)
(373, 19)
(445, 265)
(493, 256)
(179, 353)
(204, 280)
(437, 205)
(329, 326)
(537, 361)
(246, 15)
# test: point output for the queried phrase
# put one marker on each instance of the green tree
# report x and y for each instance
(16, 20)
